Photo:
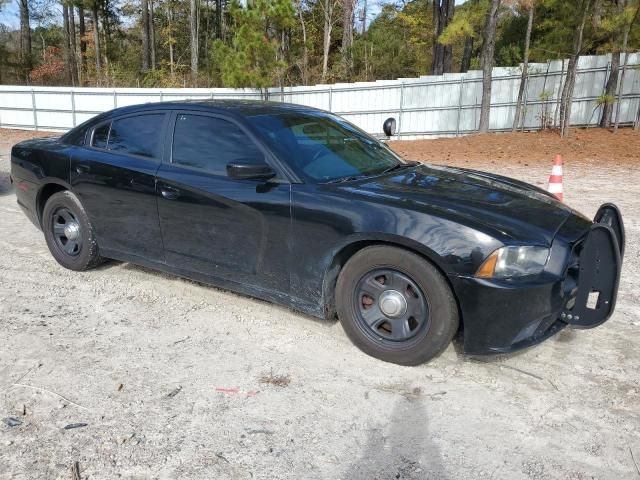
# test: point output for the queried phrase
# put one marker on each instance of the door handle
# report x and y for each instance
(169, 193)
(82, 168)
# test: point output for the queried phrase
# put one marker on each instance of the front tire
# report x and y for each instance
(395, 306)
(69, 234)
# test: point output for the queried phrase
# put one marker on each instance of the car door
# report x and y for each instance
(233, 229)
(113, 174)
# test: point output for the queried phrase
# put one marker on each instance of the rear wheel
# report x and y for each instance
(69, 233)
(395, 306)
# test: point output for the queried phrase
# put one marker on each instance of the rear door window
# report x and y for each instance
(101, 136)
(139, 135)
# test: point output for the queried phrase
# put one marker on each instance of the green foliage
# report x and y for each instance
(252, 60)
(259, 43)
(545, 95)
(397, 43)
(605, 99)
(468, 21)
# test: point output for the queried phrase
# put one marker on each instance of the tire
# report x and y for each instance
(62, 211)
(409, 336)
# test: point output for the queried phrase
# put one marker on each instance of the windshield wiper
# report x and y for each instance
(399, 166)
(348, 178)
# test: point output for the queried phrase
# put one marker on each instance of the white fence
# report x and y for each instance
(428, 106)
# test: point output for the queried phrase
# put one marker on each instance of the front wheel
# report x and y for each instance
(396, 306)
(69, 234)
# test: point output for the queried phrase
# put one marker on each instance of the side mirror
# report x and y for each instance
(389, 127)
(243, 169)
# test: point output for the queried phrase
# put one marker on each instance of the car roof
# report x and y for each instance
(238, 107)
(235, 107)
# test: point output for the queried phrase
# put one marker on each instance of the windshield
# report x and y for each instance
(322, 147)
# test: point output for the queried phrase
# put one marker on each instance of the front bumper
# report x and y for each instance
(507, 315)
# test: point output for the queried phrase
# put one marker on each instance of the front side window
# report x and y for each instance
(139, 135)
(210, 143)
(323, 147)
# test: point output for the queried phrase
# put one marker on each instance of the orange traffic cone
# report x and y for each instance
(555, 179)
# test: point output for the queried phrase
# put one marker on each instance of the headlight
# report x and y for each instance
(514, 262)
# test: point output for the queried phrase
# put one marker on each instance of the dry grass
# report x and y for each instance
(277, 380)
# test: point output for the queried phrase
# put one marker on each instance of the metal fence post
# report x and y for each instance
(606, 78)
(73, 107)
(330, 98)
(559, 97)
(161, 96)
(459, 105)
(543, 97)
(400, 109)
(33, 107)
(115, 99)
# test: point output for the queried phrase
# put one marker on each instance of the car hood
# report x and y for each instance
(507, 209)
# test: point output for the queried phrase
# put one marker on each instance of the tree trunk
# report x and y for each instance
(625, 39)
(106, 31)
(614, 75)
(207, 42)
(82, 71)
(146, 55)
(326, 44)
(621, 90)
(25, 38)
(569, 83)
(442, 58)
(74, 53)
(193, 25)
(152, 36)
(364, 19)
(465, 64)
(487, 64)
(610, 90)
(525, 70)
(347, 35)
(96, 41)
(219, 35)
(567, 95)
(172, 67)
(66, 49)
(436, 48)
(447, 51)
(305, 52)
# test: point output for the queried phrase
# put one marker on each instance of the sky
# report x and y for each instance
(9, 14)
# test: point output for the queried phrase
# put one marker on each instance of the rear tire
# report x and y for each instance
(69, 234)
(395, 306)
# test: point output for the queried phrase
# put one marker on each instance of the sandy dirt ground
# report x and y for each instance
(175, 379)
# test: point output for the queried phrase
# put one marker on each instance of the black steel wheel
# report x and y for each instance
(66, 231)
(391, 305)
(395, 305)
(69, 234)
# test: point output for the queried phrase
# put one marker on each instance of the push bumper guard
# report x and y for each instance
(503, 316)
(600, 263)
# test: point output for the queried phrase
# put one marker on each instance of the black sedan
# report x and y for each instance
(297, 206)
